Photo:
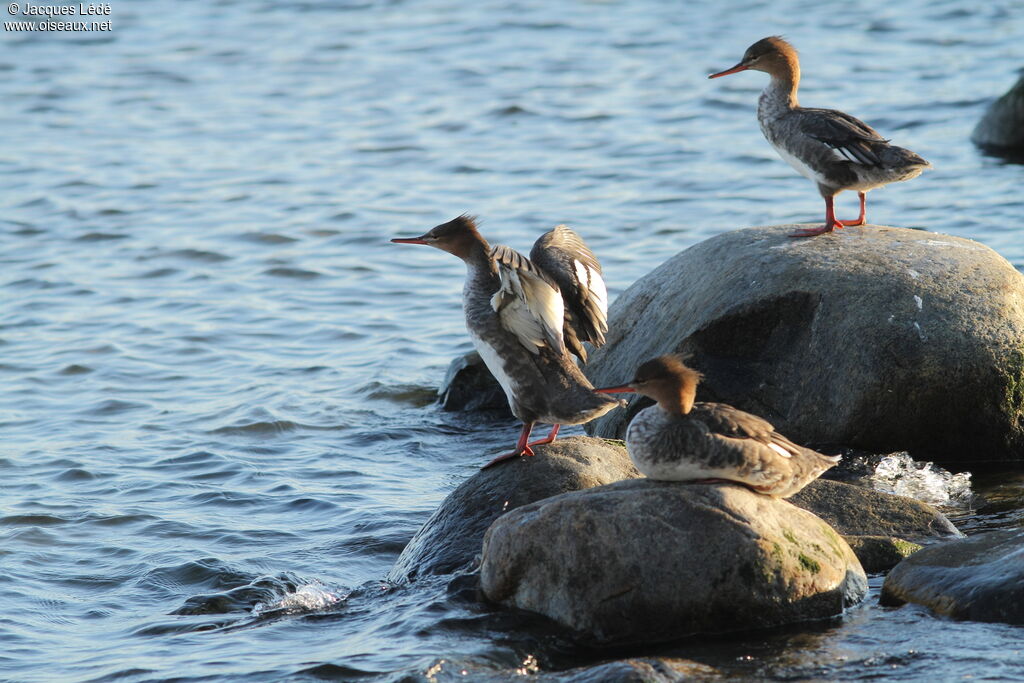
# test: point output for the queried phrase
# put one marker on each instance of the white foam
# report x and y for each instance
(898, 473)
(306, 598)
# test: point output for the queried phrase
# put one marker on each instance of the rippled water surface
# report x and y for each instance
(218, 377)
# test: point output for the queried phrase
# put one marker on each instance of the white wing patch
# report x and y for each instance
(593, 284)
(843, 154)
(780, 450)
(529, 308)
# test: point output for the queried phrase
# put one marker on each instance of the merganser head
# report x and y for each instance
(458, 236)
(773, 55)
(667, 380)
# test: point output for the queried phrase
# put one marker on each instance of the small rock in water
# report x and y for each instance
(469, 386)
(880, 553)
(631, 670)
(900, 474)
(1001, 130)
(980, 578)
(860, 511)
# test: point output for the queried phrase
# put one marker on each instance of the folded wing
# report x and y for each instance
(851, 138)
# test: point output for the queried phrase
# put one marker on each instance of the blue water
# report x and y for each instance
(218, 376)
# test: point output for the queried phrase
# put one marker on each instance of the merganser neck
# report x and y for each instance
(678, 400)
(481, 273)
(475, 251)
(779, 97)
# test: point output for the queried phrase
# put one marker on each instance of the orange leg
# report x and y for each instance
(830, 222)
(860, 220)
(547, 439)
(522, 447)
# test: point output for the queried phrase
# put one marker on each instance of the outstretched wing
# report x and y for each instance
(851, 138)
(527, 302)
(566, 259)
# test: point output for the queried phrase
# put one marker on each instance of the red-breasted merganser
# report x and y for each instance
(679, 440)
(835, 150)
(525, 316)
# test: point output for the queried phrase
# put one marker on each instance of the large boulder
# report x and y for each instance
(981, 578)
(884, 339)
(1001, 130)
(451, 538)
(643, 560)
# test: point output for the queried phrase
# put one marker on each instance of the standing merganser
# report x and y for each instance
(525, 316)
(679, 440)
(835, 150)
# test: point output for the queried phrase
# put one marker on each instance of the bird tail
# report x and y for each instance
(902, 157)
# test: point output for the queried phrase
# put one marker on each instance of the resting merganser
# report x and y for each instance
(679, 440)
(525, 316)
(835, 150)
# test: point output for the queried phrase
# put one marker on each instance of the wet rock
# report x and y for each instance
(883, 339)
(636, 670)
(633, 670)
(642, 561)
(469, 385)
(859, 511)
(980, 578)
(880, 553)
(1001, 130)
(452, 537)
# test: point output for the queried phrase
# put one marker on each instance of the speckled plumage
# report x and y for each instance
(717, 441)
(681, 440)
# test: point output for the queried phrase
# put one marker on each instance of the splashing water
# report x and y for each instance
(306, 598)
(898, 473)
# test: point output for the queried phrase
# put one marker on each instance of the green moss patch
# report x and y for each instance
(809, 563)
(905, 548)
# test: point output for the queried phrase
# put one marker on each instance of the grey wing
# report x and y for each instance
(565, 258)
(528, 303)
(734, 423)
(852, 139)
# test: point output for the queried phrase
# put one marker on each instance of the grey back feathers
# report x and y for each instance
(851, 137)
